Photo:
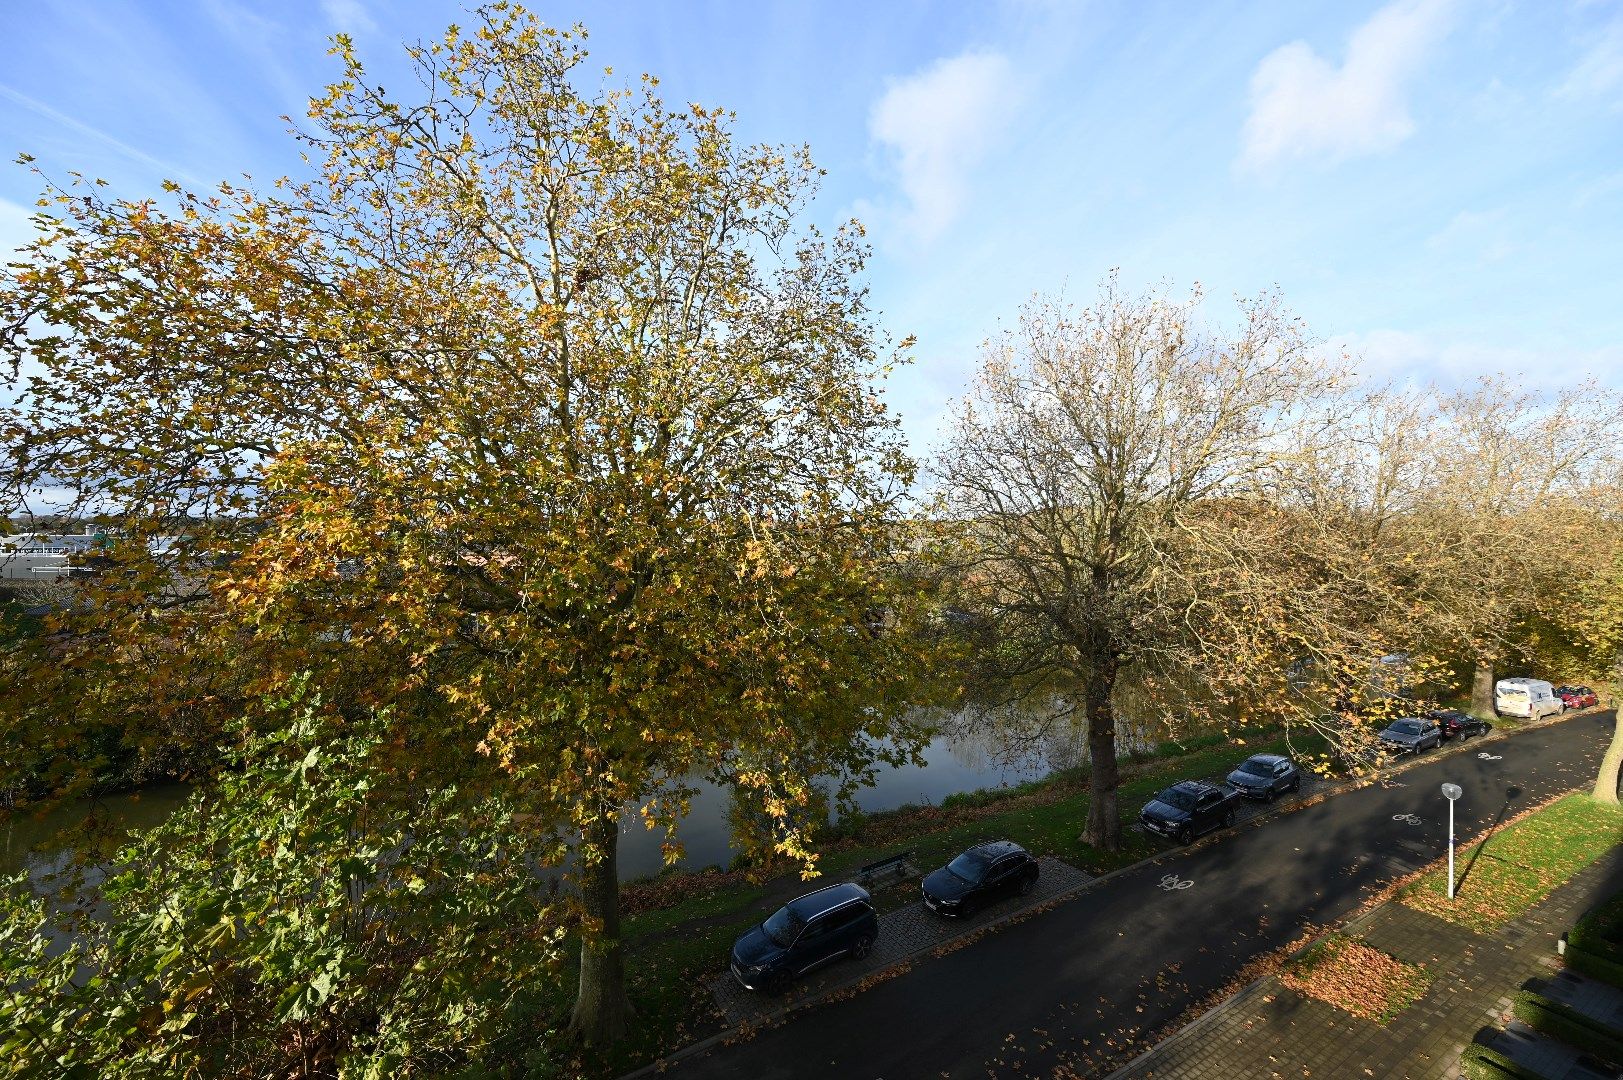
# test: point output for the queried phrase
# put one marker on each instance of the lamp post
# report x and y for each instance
(1451, 792)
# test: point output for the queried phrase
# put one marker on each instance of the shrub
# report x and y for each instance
(1566, 1024)
(1481, 1063)
(299, 918)
(1594, 965)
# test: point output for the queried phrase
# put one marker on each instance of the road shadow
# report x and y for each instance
(1512, 793)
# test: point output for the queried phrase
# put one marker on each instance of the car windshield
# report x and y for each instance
(1407, 727)
(1254, 767)
(783, 927)
(969, 866)
(1177, 797)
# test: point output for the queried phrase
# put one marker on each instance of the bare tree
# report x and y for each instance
(1102, 482)
(1511, 464)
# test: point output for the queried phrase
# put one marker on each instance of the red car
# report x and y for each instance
(1577, 697)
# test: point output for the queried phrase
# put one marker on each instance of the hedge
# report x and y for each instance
(1594, 965)
(1568, 1025)
(1591, 940)
(1478, 1062)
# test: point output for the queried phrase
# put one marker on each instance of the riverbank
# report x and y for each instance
(680, 926)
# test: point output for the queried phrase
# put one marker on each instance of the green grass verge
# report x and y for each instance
(1518, 866)
(675, 950)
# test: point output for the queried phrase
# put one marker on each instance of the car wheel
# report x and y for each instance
(1027, 883)
(862, 948)
(1273, 793)
(1296, 784)
(778, 984)
(1183, 835)
(1228, 818)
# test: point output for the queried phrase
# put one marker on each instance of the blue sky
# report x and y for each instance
(1436, 185)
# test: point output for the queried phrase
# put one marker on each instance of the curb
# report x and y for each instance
(1332, 789)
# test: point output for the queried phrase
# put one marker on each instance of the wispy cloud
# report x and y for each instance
(1479, 235)
(163, 168)
(936, 125)
(349, 15)
(1599, 71)
(1408, 357)
(1303, 106)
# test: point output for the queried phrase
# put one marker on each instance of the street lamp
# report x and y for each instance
(1451, 792)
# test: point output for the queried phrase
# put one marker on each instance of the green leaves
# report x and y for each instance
(201, 957)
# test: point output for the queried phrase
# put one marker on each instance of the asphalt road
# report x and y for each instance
(1077, 990)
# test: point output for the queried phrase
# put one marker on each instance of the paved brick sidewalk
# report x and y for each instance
(902, 933)
(1269, 1031)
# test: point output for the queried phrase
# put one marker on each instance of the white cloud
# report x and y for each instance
(1302, 106)
(1406, 357)
(1480, 235)
(348, 15)
(937, 125)
(1599, 72)
(64, 120)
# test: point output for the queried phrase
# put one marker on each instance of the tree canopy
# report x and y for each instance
(535, 414)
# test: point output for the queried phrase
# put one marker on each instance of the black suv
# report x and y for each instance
(1453, 722)
(1187, 809)
(981, 875)
(805, 933)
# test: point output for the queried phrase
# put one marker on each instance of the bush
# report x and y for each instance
(1594, 965)
(1481, 1063)
(1566, 1024)
(300, 917)
(1592, 941)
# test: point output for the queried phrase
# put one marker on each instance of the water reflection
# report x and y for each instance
(972, 752)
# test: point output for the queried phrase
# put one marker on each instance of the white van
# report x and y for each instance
(1531, 698)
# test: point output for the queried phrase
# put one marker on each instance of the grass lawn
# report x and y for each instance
(1356, 978)
(1520, 865)
(675, 948)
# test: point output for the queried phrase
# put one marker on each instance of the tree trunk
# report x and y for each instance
(1103, 829)
(602, 1009)
(1482, 688)
(1606, 782)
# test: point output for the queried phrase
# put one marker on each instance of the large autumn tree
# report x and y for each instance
(535, 414)
(1106, 488)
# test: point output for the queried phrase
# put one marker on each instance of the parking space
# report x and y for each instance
(1246, 809)
(902, 933)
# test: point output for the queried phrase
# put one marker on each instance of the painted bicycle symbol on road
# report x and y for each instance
(1173, 882)
(1485, 756)
(1407, 819)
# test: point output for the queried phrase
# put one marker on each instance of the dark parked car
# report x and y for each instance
(1453, 722)
(805, 933)
(1577, 697)
(1187, 809)
(983, 874)
(1264, 776)
(1412, 734)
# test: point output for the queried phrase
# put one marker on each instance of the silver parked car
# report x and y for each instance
(1411, 734)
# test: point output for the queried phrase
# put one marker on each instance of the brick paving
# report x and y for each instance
(1270, 1031)
(903, 933)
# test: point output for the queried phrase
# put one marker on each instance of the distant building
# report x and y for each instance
(34, 557)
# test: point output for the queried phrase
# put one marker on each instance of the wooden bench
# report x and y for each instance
(886, 871)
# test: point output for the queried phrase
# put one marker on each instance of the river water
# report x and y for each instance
(965, 761)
